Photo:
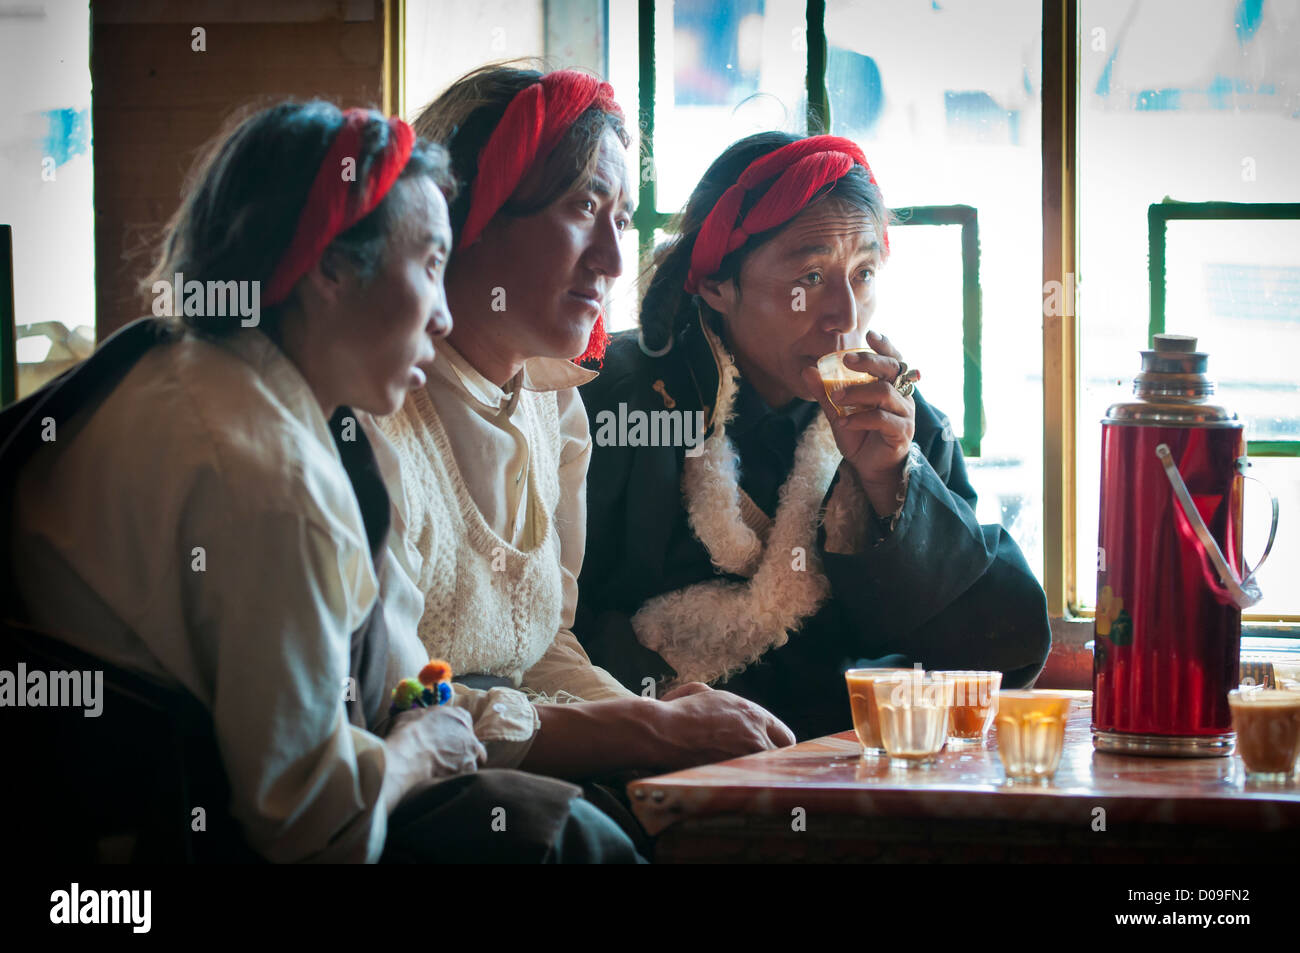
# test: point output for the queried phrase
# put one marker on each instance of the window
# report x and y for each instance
(45, 168)
(1193, 101)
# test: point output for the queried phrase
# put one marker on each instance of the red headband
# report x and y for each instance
(803, 167)
(333, 205)
(533, 123)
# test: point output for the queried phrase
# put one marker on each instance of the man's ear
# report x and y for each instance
(720, 295)
(326, 280)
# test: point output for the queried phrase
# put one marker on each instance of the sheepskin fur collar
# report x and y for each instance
(714, 629)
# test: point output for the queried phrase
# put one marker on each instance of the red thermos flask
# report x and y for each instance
(1170, 586)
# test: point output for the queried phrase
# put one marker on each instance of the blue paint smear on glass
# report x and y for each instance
(1249, 13)
(1158, 99)
(1223, 90)
(1103, 81)
(857, 89)
(68, 134)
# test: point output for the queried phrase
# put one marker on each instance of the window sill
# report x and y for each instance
(1070, 663)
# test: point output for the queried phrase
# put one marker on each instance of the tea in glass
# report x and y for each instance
(1031, 733)
(975, 702)
(862, 699)
(1267, 722)
(913, 711)
(836, 375)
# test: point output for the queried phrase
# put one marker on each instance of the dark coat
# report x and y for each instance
(940, 590)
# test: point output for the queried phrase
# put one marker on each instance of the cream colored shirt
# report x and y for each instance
(495, 462)
(200, 528)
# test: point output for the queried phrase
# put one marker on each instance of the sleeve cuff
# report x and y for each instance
(504, 721)
(852, 525)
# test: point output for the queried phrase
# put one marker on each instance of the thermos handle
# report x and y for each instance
(1244, 592)
(1242, 463)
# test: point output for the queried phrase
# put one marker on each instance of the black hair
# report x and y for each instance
(666, 307)
(464, 116)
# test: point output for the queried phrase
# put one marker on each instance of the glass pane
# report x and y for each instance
(929, 257)
(1236, 286)
(723, 72)
(944, 100)
(45, 187)
(1197, 100)
(621, 311)
(445, 39)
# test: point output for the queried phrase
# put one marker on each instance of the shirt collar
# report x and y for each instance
(752, 410)
(539, 374)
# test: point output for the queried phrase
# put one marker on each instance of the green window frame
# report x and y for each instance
(1159, 215)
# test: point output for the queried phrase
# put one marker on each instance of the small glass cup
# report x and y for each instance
(1286, 676)
(1031, 733)
(836, 375)
(862, 700)
(1267, 722)
(975, 702)
(913, 711)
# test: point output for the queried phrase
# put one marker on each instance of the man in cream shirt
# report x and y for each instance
(235, 529)
(504, 469)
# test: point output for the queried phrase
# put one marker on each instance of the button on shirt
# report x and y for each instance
(460, 393)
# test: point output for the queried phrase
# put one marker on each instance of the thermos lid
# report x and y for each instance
(1172, 388)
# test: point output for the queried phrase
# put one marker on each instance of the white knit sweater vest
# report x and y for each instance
(489, 608)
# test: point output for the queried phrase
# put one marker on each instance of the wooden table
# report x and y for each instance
(821, 801)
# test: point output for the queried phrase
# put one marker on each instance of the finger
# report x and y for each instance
(882, 395)
(683, 690)
(882, 366)
(894, 429)
(778, 733)
(874, 394)
(882, 345)
(459, 714)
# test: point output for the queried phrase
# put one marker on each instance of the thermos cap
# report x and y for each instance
(1172, 387)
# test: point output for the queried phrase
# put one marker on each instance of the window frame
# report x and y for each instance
(8, 330)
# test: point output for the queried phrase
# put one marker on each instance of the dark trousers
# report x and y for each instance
(499, 816)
